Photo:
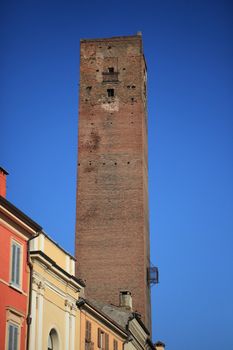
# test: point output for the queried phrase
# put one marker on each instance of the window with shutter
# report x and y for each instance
(15, 263)
(115, 344)
(13, 337)
(88, 332)
(101, 339)
(106, 341)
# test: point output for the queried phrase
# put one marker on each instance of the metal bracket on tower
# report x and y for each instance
(153, 275)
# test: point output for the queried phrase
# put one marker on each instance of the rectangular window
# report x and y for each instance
(115, 344)
(15, 263)
(13, 337)
(102, 338)
(88, 332)
(110, 92)
(106, 341)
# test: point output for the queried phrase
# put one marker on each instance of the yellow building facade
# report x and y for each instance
(54, 316)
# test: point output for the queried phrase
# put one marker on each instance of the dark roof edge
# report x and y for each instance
(87, 305)
(53, 263)
(4, 171)
(15, 211)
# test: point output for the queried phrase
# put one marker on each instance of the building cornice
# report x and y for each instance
(86, 305)
(41, 256)
(18, 215)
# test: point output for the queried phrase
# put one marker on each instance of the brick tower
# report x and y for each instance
(112, 228)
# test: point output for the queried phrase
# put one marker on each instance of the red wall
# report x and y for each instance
(9, 296)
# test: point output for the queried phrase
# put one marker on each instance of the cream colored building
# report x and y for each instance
(54, 316)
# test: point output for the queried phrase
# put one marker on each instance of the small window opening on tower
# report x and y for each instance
(110, 69)
(110, 92)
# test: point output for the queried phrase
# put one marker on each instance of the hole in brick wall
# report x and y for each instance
(78, 164)
(109, 47)
(115, 163)
(131, 122)
(132, 99)
(128, 162)
(89, 163)
(97, 70)
(103, 163)
(92, 123)
(88, 88)
(133, 86)
(123, 69)
(110, 122)
(86, 100)
(110, 69)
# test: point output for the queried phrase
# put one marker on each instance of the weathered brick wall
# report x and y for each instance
(112, 230)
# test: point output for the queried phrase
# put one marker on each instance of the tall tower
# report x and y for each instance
(112, 228)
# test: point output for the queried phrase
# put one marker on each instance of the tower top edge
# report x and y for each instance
(114, 38)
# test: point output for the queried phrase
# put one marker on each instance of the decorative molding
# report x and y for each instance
(70, 306)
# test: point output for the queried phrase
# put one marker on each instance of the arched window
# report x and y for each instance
(50, 342)
(53, 340)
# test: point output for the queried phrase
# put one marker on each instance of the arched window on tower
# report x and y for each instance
(53, 343)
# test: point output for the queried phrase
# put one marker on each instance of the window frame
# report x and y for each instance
(115, 344)
(17, 272)
(16, 327)
(88, 332)
(102, 339)
(54, 337)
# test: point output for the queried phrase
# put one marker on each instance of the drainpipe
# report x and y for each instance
(29, 262)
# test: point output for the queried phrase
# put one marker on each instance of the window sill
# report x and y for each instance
(18, 289)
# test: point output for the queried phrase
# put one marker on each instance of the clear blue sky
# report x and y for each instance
(189, 51)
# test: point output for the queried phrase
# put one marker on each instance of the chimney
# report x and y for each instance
(126, 299)
(159, 345)
(3, 175)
